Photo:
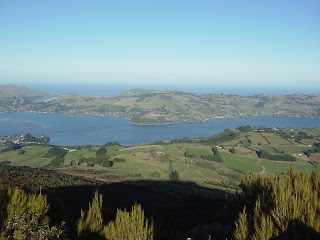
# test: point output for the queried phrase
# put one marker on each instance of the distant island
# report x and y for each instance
(153, 107)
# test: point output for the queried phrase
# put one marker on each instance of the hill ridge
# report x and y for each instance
(158, 107)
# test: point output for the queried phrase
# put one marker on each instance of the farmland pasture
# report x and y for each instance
(175, 150)
(244, 164)
(158, 161)
(272, 166)
(314, 131)
(256, 138)
(198, 151)
(76, 155)
(31, 157)
(292, 149)
(268, 149)
(315, 157)
(275, 139)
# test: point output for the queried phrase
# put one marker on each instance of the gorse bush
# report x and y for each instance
(24, 216)
(26, 226)
(20, 203)
(91, 222)
(280, 206)
(127, 225)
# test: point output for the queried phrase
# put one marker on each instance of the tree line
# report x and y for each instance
(275, 156)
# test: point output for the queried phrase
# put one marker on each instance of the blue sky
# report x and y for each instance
(254, 43)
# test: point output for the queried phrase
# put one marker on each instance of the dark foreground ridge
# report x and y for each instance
(178, 209)
(271, 207)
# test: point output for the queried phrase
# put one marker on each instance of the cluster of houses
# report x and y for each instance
(19, 139)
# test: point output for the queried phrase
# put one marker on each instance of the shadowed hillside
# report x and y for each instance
(178, 209)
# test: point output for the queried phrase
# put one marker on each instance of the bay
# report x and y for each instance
(85, 129)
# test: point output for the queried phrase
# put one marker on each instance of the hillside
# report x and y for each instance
(15, 99)
(151, 107)
(215, 162)
(170, 205)
(12, 92)
(171, 180)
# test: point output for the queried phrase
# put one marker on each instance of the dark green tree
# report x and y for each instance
(232, 150)
(101, 151)
(21, 152)
(174, 176)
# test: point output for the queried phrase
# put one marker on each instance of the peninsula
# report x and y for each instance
(153, 107)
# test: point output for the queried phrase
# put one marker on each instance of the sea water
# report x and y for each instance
(84, 129)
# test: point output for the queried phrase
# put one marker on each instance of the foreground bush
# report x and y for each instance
(127, 225)
(280, 206)
(90, 222)
(24, 216)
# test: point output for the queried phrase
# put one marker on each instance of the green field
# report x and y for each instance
(203, 172)
(275, 139)
(293, 149)
(272, 166)
(268, 149)
(157, 162)
(244, 164)
(31, 157)
(145, 160)
(314, 131)
(175, 150)
(256, 138)
(244, 151)
(76, 155)
(199, 151)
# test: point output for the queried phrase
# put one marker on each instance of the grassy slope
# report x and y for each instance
(32, 157)
(142, 162)
(282, 167)
(314, 131)
(275, 139)
(244, 164)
